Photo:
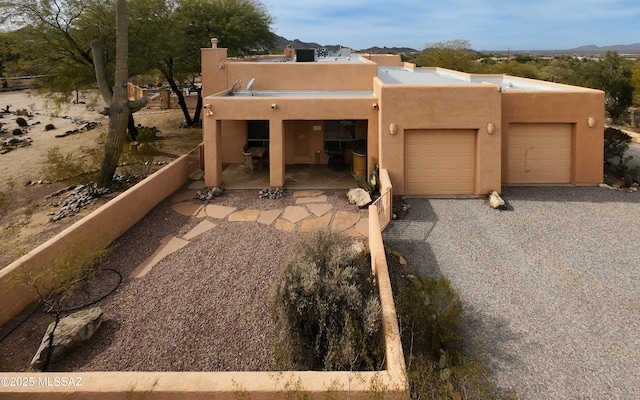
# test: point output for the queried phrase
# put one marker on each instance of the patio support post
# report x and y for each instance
(276, 153)
(213, 152)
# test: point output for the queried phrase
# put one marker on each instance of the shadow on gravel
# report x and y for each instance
(567, 194)
(485, 337)
(494, 330)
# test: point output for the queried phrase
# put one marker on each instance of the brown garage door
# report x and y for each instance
(539, 153)
(439, 162)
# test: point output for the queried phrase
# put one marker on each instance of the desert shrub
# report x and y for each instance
(147, 134)
(325, 307)
(623, 170)
(616, 143)
(429, 311)
(137, 162)
(70, 167)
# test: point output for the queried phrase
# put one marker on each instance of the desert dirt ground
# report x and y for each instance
(24, 212)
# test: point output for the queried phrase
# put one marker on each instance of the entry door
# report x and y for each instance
(301, 142)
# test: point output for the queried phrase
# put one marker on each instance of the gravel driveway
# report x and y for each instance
(551, 287)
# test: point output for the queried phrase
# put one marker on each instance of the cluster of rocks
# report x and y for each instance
(13, 143)
(78, 198)
(207, 194)
(83, 127)
(272, 193)
(620, 187)
(400, 208)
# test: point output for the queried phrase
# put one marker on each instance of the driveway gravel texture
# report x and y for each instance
(550, 287)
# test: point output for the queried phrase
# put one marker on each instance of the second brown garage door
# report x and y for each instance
(538, 153)
(439, 162)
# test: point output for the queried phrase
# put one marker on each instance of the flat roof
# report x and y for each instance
(353, 59)
(301, 93)
(432, 76)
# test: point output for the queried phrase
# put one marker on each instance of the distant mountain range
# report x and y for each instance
(633, 48)
(298, 44)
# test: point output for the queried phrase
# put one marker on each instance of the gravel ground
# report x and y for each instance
(202, 308)
(550, 287)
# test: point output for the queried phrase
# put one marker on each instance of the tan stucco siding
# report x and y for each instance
(442, 107)
(575, 108)
(303, 76)
(213, 74)
(234, 137)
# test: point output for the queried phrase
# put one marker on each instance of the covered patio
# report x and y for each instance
(296, 176)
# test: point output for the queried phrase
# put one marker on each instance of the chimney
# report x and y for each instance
(214, 43)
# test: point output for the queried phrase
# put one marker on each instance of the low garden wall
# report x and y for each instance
(115, 218)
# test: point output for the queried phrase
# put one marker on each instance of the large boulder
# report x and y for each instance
(71, 330)
(496, 202)
(359, 197)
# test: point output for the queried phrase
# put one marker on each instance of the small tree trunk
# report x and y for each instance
(181, 101)
(118, 110)
(196, 113)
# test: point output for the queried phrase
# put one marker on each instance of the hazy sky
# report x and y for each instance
(487, 24)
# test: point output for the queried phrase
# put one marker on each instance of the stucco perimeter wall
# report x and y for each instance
(302, 75)
(93, 232)
(426, 107)
(576, 107)
(385, 60)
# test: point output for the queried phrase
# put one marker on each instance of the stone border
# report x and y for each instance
(118, 216)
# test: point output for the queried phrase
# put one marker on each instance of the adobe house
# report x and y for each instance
(437, 131)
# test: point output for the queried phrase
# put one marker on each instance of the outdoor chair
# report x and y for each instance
(248, 162)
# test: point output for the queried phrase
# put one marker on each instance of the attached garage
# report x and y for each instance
(439, 162)
(538, 153)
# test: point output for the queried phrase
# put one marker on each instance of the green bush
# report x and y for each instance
(147, 134)
(627, 173)
(325, 307)
(70, 167)
(616, 143)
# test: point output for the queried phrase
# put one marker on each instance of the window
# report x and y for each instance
(338, 134)
(258, 133)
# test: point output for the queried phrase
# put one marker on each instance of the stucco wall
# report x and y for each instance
(214, 78)
(441, 107)
(575, 107)
(302, 76)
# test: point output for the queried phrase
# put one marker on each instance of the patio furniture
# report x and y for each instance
(259, 156)
(248, 162)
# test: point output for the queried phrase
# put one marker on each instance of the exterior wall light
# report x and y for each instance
(274, 106)
(375, 106)
(591, 122)
(393, 128)
(491, 128)
(209, 110)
